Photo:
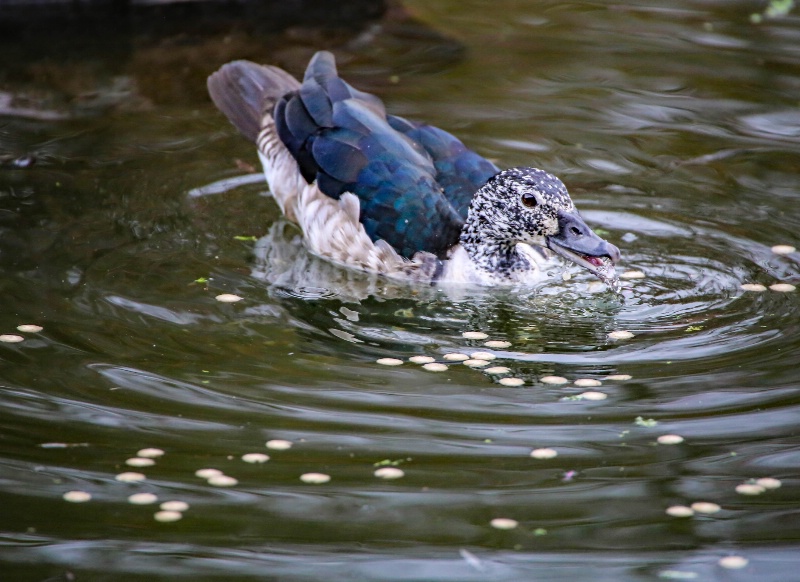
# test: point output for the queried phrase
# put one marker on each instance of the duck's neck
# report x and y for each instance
(497, 256)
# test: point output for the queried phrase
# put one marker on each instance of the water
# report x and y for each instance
(674, 124)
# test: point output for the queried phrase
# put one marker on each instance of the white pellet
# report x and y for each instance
(593, 395)
(255, 458)
(705, 507)
(29, 328)
(511, 381)
(757, 287)
(783, 287)
(222, 481)
(315, 478)
(228, 298)
(435, 367)
(77, 496)
(500, 344)
(130, 477)
(553, 380)
(620, 335)
(279, 445)
(670, 439)
(174, 506)
(783, 249)
(680, 511)
(142, 498)
(167, 516)
(389, 362)
(389, 473)
(587, 383)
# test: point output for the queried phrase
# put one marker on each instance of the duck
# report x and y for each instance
(376, 192)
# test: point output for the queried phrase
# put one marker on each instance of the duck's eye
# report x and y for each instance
(529, 200)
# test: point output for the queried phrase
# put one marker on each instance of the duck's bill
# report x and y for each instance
(576, 242)
(601, 267)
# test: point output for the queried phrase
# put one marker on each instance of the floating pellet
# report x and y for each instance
(11, 338)
(389, 362)
(474, 335)
(150, 453)
(497, 370)
(207, 473)
(130, 477)
(553, 380)
(632, 275)
(783, 287)
(174, 506)
(389, 473)
(680, 511)
(593, 395)
(279, 445)
(544, 453)
(565, 276)
(29, 328)
(769, 482)
(750, 489)
(315, 478)
(497, 344)
(77, 496)
(783, 249)
(733, 562)
(482, 356)
(619, 377)
(511, 381)
(228, 298)
(455, 357)
(587, 382)
(222, 481)
(705, 507)
(757, 287)
(476, 363)
(421, 359)
(142, 498)
(435, 367)
(140, 462)
(503, 523)
(255, 458)
(620, 334)
(167, 516)
(669, 439)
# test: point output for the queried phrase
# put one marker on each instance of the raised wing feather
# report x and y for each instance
(413, 182)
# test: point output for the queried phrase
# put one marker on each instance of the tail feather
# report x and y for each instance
(245, 91)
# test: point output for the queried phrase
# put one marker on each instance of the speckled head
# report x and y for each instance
(528, 205)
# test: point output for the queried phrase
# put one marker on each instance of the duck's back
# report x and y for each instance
(412, 183)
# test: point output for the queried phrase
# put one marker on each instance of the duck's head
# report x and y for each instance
(527, 205)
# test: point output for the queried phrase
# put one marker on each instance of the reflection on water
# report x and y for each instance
(675, 127)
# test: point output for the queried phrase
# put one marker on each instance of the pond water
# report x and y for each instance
(676, 126)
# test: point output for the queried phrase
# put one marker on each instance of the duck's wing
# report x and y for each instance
(341, 138)
(459, 171)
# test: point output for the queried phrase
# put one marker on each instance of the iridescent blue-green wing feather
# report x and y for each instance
(459, 171)
(340, 137)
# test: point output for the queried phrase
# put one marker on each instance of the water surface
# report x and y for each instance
(676, 127)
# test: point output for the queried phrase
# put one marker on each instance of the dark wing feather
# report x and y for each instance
(400, 172)
(459, 171)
